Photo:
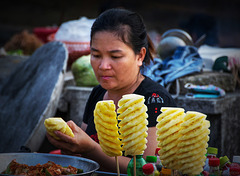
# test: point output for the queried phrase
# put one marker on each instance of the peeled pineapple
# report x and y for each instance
(168, 128)
(129, 135)
(183, 139)
(105, 119)
(193, 143)
(57, 124)
(133, 124)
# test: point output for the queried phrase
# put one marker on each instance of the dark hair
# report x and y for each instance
(129, 27)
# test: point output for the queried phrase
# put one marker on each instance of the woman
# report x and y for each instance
(120, 46)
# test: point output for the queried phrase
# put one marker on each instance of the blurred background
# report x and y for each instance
(218, 19)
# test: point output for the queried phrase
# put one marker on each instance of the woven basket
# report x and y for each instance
(75, 49)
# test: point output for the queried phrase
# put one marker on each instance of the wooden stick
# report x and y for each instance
(134, 165)
(118, 170)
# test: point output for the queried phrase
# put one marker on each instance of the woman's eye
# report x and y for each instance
(96, 55)
(116, 57)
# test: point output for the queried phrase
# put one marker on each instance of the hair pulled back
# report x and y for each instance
(129, 27)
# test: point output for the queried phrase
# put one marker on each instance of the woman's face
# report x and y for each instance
(115, 64)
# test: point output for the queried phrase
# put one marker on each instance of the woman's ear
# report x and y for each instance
(141, 55)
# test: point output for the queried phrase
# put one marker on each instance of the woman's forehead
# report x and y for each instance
(109, 42)
(121, 31)
(106, 37)
(109, 37)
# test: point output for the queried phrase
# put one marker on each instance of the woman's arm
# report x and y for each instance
(123, 161)
(82, 144)
(152, 142)
(87, 147)
(108, 163)
(83, 126)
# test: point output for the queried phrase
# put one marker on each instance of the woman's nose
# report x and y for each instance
(105, 64)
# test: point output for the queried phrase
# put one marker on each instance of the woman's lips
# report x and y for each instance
(105, 77)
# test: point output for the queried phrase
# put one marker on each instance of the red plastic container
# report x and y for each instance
(43, 32)
(58, 151)
(75, 49)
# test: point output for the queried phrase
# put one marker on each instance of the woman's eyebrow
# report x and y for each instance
(112, 51)
(115, 51)
(93, 49)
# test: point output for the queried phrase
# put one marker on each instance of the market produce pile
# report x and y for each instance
(23, 43)
(132, 126)
(183, 139)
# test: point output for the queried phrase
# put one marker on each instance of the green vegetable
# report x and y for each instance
(15, 52)
(83, 72)
(79, 171)
(8, 170)
(47, 173)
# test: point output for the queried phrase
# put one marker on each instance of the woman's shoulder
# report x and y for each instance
(97, 92)
(148, 85)
(95, 96)
(153, 90)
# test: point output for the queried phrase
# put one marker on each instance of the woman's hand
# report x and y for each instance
(80, 143)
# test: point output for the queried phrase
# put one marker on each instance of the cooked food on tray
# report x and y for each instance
(48, 169)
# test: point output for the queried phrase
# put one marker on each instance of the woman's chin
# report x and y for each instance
(106, 86)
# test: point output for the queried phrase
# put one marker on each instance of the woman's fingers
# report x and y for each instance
(64, 142)
(80, 143)
(64, 137)
(73, 126)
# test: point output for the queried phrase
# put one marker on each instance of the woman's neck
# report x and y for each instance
(116, 95)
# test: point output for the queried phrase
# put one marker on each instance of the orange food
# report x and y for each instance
(49, 168)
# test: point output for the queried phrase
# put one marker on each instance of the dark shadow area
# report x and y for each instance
(219, 20)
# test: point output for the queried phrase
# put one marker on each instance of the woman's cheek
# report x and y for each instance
(94, 65)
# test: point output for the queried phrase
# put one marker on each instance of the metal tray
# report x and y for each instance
(87, 165)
